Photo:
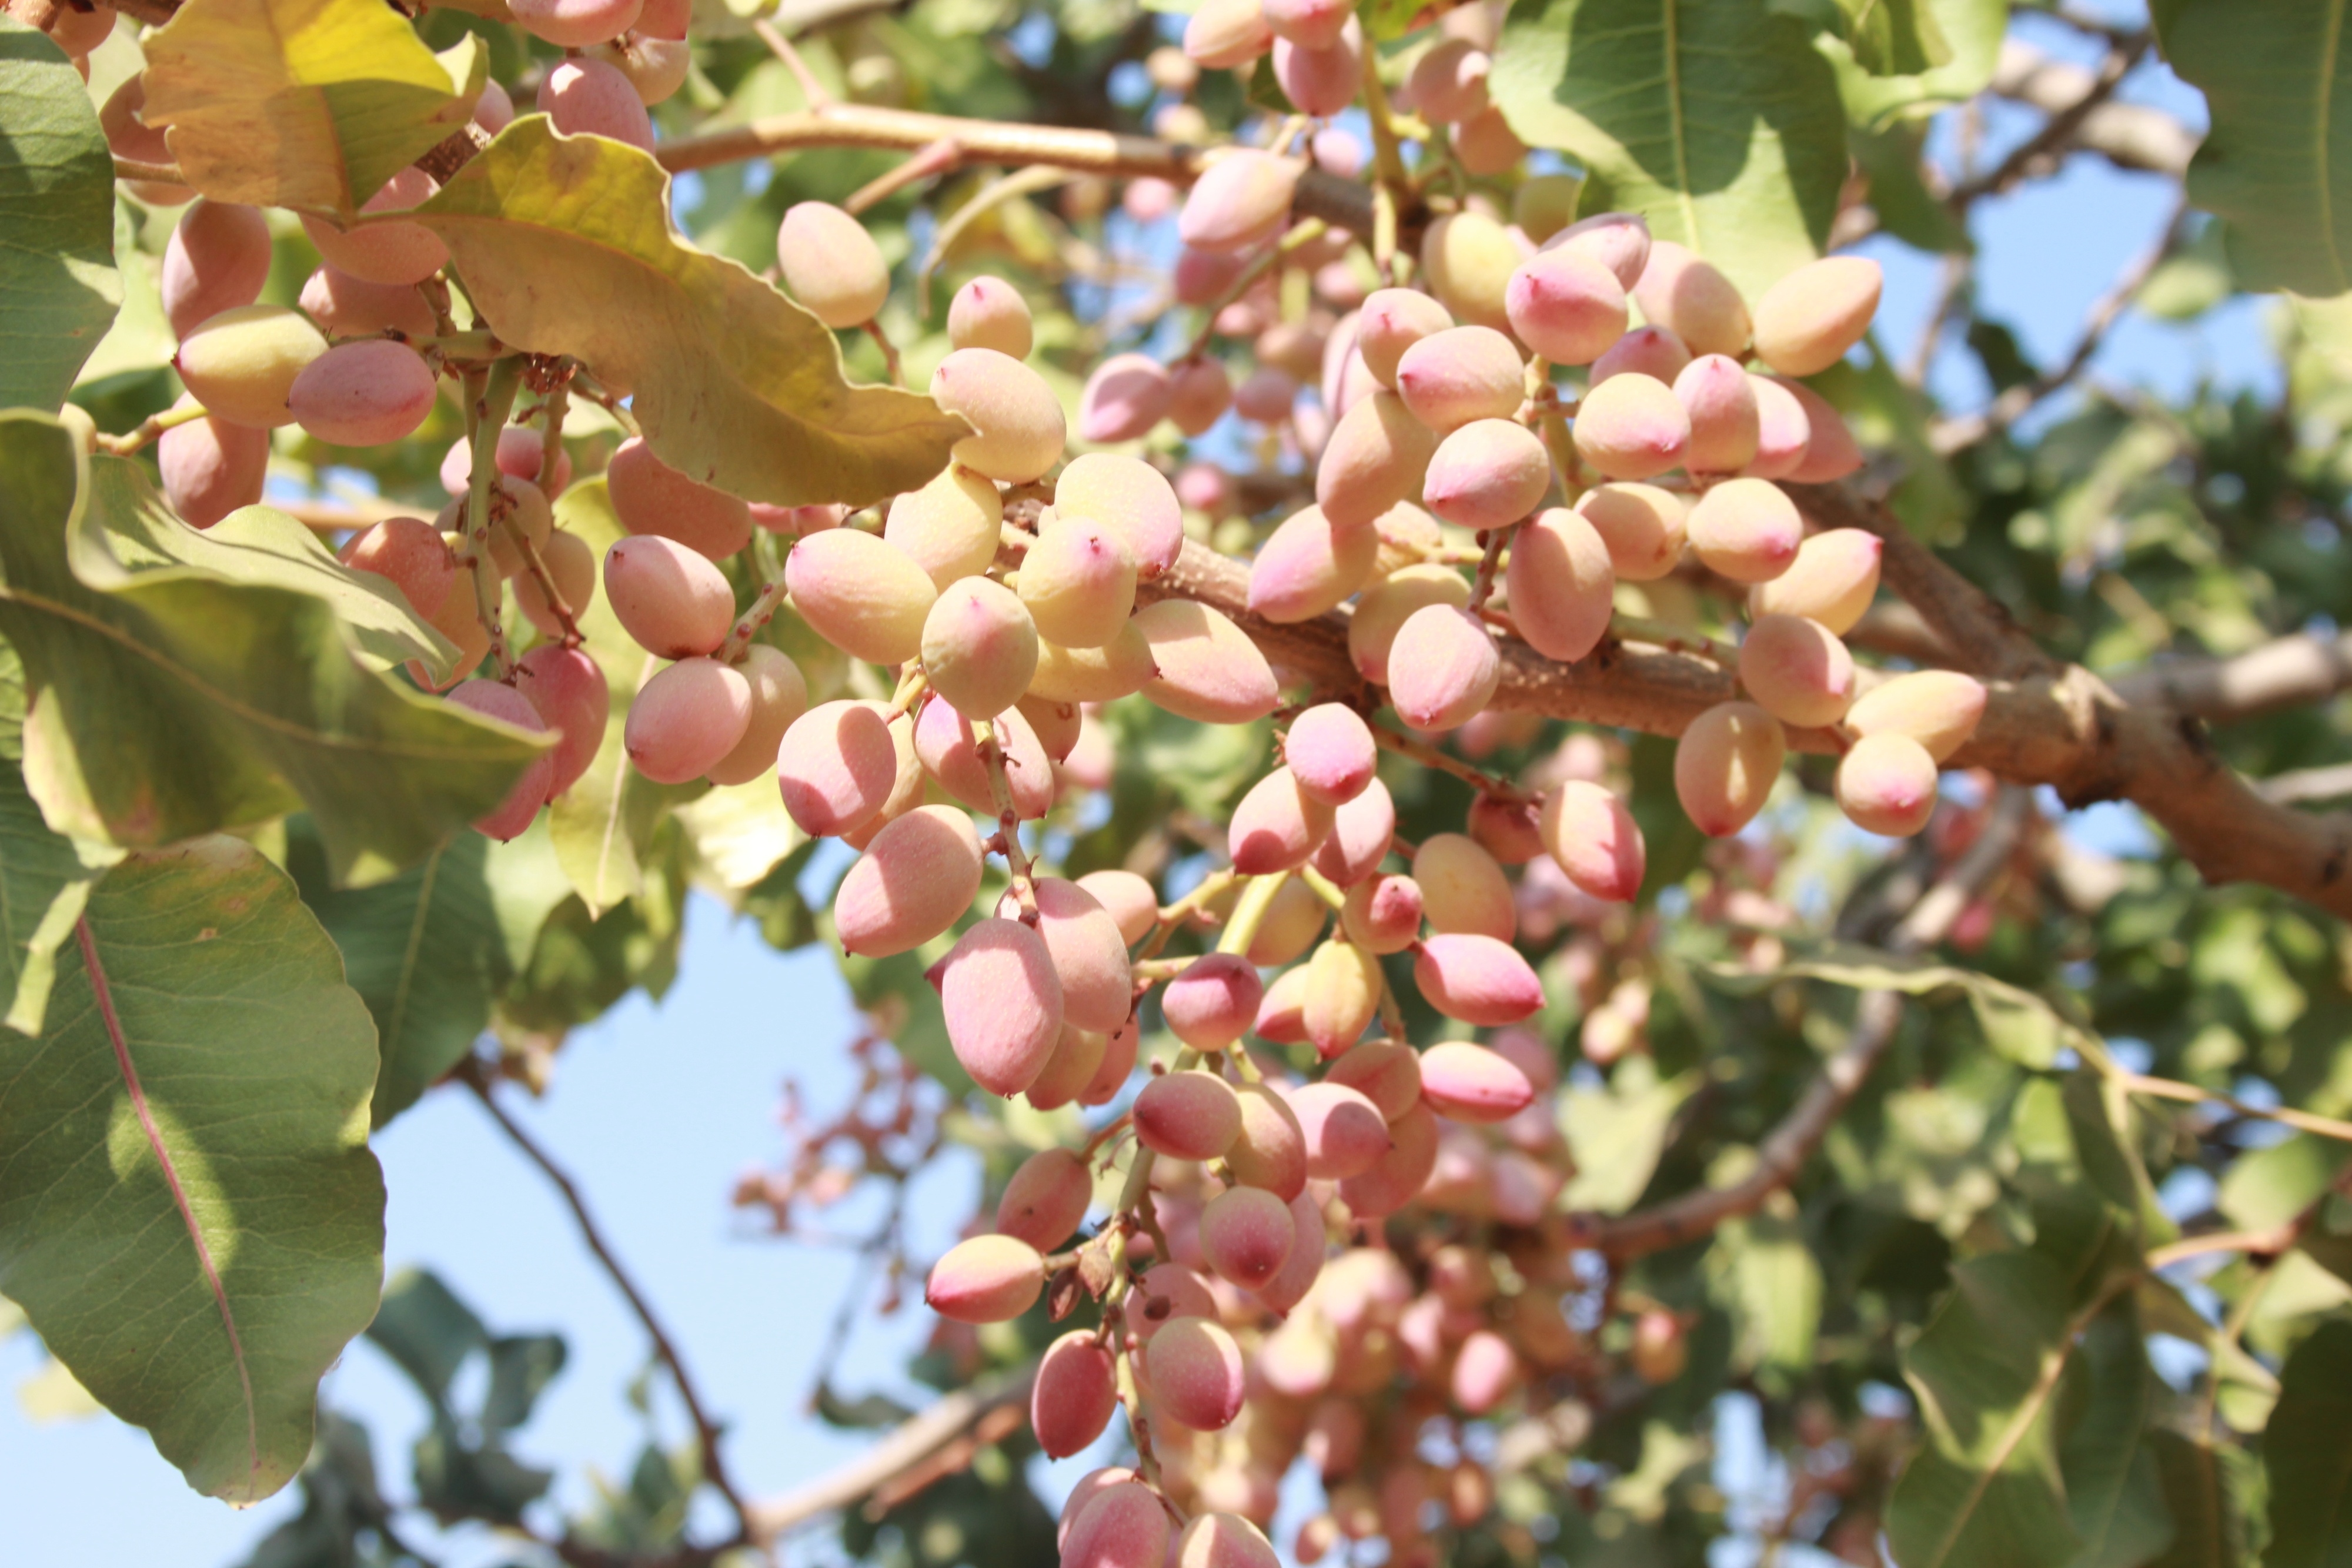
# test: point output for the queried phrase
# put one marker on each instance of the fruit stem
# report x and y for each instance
(756, 614)
(1249, 914)
(147, 428)
(889, 352)
(1008, 817)
(489, 398)
(557, 404)
(1672, 638)
(1428, 756)
(1324, 888)
(1483, 588)
(565, 616)
(1184, 908)
(1305, 231)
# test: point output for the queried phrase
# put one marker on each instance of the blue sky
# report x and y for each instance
(657, 1108)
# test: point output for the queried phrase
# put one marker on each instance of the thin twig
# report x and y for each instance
(1784, 1151)
(1950, 435)
(714, 1467)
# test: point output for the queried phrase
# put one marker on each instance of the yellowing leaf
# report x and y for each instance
(565, 244)
(300, 103)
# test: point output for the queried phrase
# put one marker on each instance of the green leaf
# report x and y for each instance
(1713, 119)
(1619, 1132)
(192, 1218)
(426, 1331)
(740, 833)
(2018, 1024)
(1896, 57)
(44, 877)
(2114, 1491)
(431, 949)
(732, 383)
(300, 103)
(340, 1499)
(1769, 1280)
(1986, 1490)
(175, 700)
(2203, 1534)
(59, 289)
(263, 547)
(2308, 1447)
(2276, 167)
(2268, 1187)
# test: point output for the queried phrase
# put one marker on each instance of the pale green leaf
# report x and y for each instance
(1714, 120)
(1986, 1492)
(59, 289)
(2276, 167)
(298, 103)
(731, 383)
(1770, 1279)
(192, 1218)
(431, 949)
(2018, 1024)
(1618, 1131)
(1896, 57)
(177, 701)
(740, 834)
(2308, 1447)
(2204, 1535)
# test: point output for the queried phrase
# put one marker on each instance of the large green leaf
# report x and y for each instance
(192, 1218)
(1986, 1492)
(177, 699)
(59, 289)
(1714, 120)
(2276, 167)
(431, 949)
(732, 383)
(300, 103)
(2114, 1491)
(2308, 1447)
(44, 877)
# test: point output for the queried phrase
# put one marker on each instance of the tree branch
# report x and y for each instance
(706, 1430)
(1784, 1151)
(1950, 435)
(2041, 153)
(2127, 135)
(1341, 202)
(2285, 674)
(908, 1447)
(2045, 722)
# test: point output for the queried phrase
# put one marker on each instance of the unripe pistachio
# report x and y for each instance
(1476, 979)
(989, 313)
(914, 881)
(860, 594)
(1886, 784)
(1631, 426)
(1309, 566)
(1725, 424)
(649, 497)
(1448, 83)
(836, 765)
(1443, 668)
(1565, 305)
(1191, 1115)
(1592, 836)
(1329, 750)
(950, 528)
(1460, 374)
(1561, 584)
(1240, 200)
(1019, 431)
(779, 696)
(1385, 609)
(1225, 34)
(1797, 670)
(986, 1280)
(1726, 765)
(1650, 351)
(1747, 529)
(1124, 398)
(1045, 1199)
(1466, 1082)
(1002, 1004)
(1683, 292)
(1618, 241)
(1130, 498)
(1469, 259)
(1382, 913)
(1209, 670)
(1376, 457)
(1391, 321)
(1278, 826)
(1806, 322)
(1938, 708)
(1075, 1394)
(508, 705)
(1463, 888)
(1342, 996)
(830, 265)
(1832, 580)
(685, 720)
(980, 647)
(1360, 832)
